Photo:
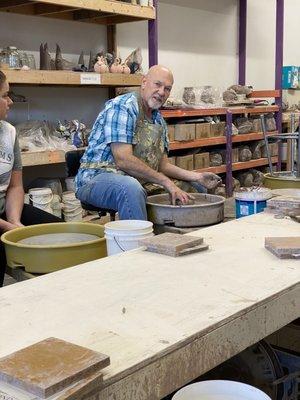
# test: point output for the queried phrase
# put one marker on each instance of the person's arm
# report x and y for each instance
(207, 179)
(127, 162)
(14, 199)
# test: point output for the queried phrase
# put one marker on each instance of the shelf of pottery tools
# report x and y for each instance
(102, 12)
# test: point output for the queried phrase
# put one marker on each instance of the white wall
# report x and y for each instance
(53, 103)
(199, 44)
(261, 30)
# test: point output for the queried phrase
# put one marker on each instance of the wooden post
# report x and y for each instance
(111, 31)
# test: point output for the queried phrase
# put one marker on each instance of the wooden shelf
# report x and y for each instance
(69, 78)
(239, 165)
(103, 12)
(42, 157)
(203, 112)
(213, 141)
(258, 94)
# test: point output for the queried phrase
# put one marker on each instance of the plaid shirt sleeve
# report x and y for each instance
(119, 124)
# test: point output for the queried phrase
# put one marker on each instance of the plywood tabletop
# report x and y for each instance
(162, 321)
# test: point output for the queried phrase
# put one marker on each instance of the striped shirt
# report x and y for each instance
(115, 124)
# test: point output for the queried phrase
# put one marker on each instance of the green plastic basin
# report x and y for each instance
(48, 258)
(281, 180)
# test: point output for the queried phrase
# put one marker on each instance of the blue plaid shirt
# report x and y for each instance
(115, 124)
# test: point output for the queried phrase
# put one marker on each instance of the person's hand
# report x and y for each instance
(178, 196)
(209, 180)
(9, 226)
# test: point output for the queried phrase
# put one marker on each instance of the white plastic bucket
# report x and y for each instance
(124, 235)
(56, 206)
(41, 198)
(220, 390)
(72, 209)
(70, 184)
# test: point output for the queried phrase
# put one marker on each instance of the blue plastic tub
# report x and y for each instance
(249, 207)
(251, 202)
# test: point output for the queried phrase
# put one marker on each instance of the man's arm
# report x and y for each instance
(15, 199)
(127, 162)
(207, 179)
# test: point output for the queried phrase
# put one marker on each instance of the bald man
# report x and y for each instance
(128, 149)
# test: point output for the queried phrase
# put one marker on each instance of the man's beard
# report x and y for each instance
(155, 104)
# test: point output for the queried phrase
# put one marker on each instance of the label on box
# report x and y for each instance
(90, 79)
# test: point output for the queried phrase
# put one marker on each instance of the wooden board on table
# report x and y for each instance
(173, 244)
(49, 366)
(284, 247)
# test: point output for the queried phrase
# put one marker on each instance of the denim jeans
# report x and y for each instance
(122, 193)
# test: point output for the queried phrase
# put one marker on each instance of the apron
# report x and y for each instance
(148, 146)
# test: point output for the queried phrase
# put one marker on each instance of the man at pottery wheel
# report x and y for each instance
(127, 153)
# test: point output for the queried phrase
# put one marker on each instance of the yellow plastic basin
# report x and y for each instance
(281, 180)
(48, 258)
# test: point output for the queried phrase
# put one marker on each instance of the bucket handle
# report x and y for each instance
(41, 203)
(118, 244)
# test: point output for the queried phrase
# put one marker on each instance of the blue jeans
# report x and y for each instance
(121, 193)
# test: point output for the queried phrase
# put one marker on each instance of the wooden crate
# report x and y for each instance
(185, 162)
(172, 160)
(171, 132)
(201, 160)
(184, 132)
(203, 130)
(235, 155)
(218, 129)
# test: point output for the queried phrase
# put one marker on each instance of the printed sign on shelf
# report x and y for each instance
(90, 79)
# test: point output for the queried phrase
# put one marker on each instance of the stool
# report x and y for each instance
(73, 163)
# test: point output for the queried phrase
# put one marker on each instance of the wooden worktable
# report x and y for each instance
(163, 321)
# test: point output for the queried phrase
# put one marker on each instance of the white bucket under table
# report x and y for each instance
(41, 198)
(220, 390)
(124, 235)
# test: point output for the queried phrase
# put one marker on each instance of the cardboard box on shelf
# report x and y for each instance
(235, 154)
(203, 130)
(201, 160)
(273, 147)
(172, 160)
(184, 132)
(185, 162)
(218, 129)
(171, 132)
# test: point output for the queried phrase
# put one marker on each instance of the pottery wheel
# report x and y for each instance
(207, 209)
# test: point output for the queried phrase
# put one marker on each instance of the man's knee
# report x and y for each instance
(133, 187)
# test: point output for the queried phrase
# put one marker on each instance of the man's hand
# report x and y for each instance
(178, 195)
(209, 180)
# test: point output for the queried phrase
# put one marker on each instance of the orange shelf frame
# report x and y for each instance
(213, 141)
(239, 165)
(205, 112)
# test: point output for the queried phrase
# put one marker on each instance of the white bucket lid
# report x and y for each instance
(128, 225)
(40, 192)
(259, 194)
